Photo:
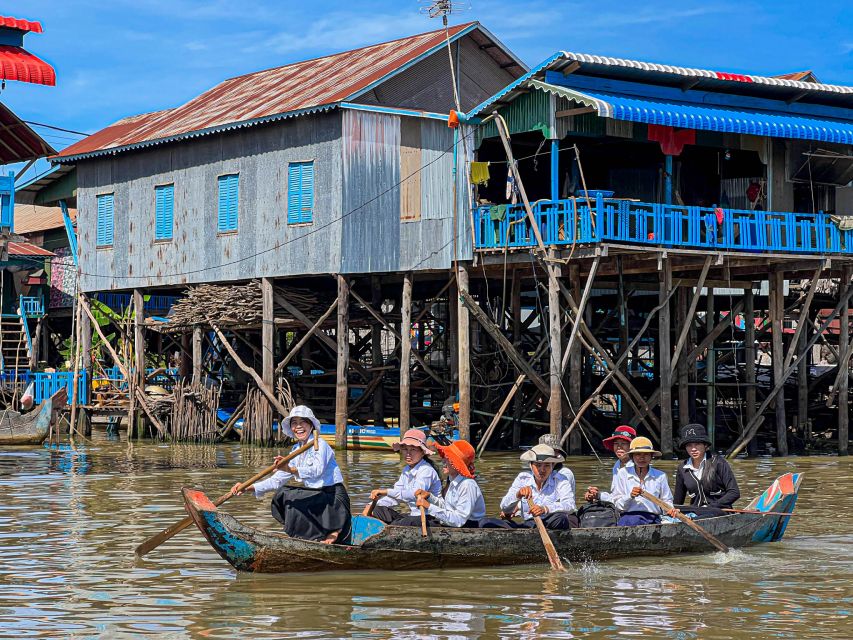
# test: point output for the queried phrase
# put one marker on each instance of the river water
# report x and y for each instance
(70, 519)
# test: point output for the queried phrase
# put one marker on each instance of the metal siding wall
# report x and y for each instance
(480, 76)
(260, 155)
(371, 192)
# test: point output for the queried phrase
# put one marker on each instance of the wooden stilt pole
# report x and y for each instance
(684, 322)
(464, 337)
(777, 283)
(75, 378)
(844, 366)
(518, 403)
(575, 366)
(749, 353)
(267, 333)
(711, 367)
(341, 385)
(139, 352)
(803, 375)
(555, 327)
(376, 351)
(406, 353)
(198, 338)
(665, 357)
(86, 354)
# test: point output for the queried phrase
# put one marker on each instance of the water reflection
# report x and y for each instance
(70, 519)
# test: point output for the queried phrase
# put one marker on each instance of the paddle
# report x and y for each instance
(423, 522)
(368, 508)
(666, 507)
(155, 541)
(553, 558)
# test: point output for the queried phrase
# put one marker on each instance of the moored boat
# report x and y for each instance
(30, 428)
(379, 546)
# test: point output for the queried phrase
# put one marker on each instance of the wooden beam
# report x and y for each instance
(555, 330)
(405, 353)
(844, 369)
(376, 357)
(691, 312)
(666, 290)
(463, 346)
(509, 396)
(341, 383)
(512, 353)
(575, 367)
(294, 350)
(752, 427)
(712, 335)
(749, 352)
(267, 333)
(777, 317)
(198, 338)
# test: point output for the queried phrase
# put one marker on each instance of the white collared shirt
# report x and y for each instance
(654, 483)
(697, 473)
(604, 496)
(315, 469)
(462, 502)
(557, 494)
(421, 476)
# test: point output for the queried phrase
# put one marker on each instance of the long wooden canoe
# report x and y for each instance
(377, 546)
(33, 427)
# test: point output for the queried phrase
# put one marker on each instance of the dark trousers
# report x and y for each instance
(637, 518)
(415, 521)
(555, 520)
(388, 515)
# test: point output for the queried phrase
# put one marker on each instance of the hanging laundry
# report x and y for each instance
(497, 212)
(844, 223)
(511, 186)
(479, 173)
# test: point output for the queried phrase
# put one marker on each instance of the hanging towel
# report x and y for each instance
(511, 187)
(479, 172)
(497, 212)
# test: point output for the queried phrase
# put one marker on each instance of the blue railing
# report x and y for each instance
(31, 306)
(120, 301)
(26, 326)
(564, 222)
(46, 384)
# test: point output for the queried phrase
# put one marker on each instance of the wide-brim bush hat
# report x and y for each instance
(460, 455)
(643, 445)
(552, 441)
(693, 433)
(299, 411)
(415, 438)
(542, 453)
(622, 432)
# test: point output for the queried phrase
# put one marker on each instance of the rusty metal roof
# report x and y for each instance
(294, 89)
(28, 249)
(30, 218)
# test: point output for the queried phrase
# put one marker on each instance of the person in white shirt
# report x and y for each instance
(619, 443)
(419, 473)
(631, 481)
(320, 509)
(462, 504)
(552, 441)
(552, 496)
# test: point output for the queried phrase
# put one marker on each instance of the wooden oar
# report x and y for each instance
(423, 522)
(155, 541)
(666, 507)
(553, 558)
(368, 508)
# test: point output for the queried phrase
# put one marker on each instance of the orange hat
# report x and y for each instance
(460, 454)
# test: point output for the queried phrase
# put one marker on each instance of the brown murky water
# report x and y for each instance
(69, 521)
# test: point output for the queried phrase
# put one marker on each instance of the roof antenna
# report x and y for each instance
(443, 8)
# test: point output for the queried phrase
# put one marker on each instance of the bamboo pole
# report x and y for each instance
(405, 353)
(463, 347)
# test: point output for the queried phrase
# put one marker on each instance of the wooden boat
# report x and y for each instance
(378, 546)
(370, 438)
(33, 427)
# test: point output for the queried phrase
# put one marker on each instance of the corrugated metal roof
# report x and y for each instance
(19, 24)
(801, 76)
(581, 64)
(19, 64)
(28, 249)
(30, 218)
(294, 89)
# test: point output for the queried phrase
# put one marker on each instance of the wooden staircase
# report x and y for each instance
(13, 344)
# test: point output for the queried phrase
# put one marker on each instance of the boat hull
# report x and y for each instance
(404, 548)
(31, 428)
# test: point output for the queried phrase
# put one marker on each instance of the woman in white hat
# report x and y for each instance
(631, 481)
(418, 474)
(320, 509)
(552, 494)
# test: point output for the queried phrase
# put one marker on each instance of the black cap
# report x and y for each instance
(693, 433)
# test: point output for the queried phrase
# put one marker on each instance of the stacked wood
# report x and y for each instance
(258, 418)
(193, 413)
(236, 306)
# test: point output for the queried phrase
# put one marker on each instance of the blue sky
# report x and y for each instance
(123, 57)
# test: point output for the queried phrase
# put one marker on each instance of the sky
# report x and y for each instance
(124, 57)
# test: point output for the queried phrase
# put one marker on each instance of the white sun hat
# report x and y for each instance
(300, 411)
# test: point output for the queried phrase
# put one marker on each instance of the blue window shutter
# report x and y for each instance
(105, 220)
(164, 211)
(300, 192)
(228, 198)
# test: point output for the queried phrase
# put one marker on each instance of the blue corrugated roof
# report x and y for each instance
(713, 118)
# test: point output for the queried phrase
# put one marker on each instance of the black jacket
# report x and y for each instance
(718, 487)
